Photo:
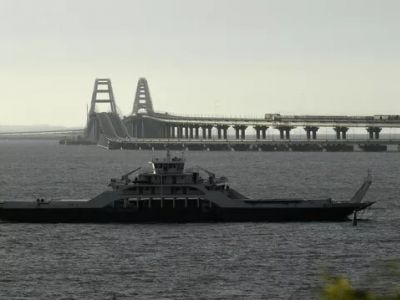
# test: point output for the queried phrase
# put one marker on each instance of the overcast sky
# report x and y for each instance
(224, 57)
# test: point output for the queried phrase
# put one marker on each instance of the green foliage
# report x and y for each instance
(340, 288)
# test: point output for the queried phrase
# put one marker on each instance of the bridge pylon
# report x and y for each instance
(103, 123)
(102, 86)
(143, 103)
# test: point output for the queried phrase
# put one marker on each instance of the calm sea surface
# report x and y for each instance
(195, 261)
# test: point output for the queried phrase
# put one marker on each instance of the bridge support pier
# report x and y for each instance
(237, 134)
(172, 128)
(209, 131)
(219, 130)
(225, 131)
(186, 132)
(264, 132)
(191, 131)
(166, 131)
(240, 131)
(258, 132)
(180, 131)
(222, 131)
(340, 130)
(281, 133)
(204, 131)
(374, 131)
(261, 131)
(284, 132)
(371, 133)
(311, 131)
(344, 133)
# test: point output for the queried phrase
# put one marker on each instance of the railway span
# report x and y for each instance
(146, 128)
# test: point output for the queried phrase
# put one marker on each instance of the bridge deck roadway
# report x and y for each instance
(297, 121)
(255, 141)
(255, 145)
(44, 132)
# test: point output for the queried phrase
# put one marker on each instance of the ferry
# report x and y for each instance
(171, 193)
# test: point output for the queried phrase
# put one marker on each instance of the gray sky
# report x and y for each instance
(229, 57)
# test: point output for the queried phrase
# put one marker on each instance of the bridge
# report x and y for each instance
(41, 134)
(145, 126)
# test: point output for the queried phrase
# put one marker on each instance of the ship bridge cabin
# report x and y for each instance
(168, 185)
(168, 165)
(168, 177)
(168, 171)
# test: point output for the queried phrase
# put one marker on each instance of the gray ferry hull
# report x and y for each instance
(202, 214)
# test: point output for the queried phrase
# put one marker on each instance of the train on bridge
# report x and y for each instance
(320, 118)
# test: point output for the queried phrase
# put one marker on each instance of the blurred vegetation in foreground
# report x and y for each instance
(386, 278)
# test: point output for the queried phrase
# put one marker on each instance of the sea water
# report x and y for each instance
(196, 261)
